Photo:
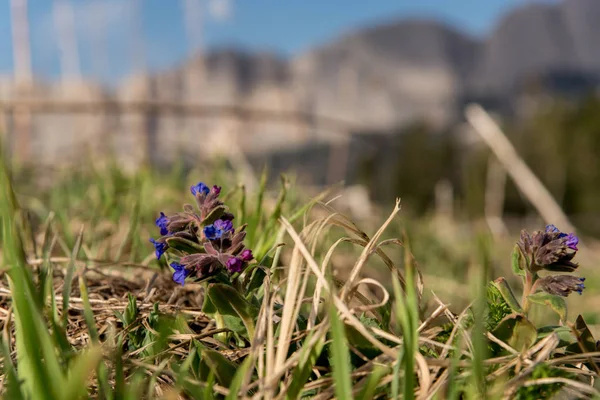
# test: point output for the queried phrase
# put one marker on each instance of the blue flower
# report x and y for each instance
(162, 222)
(199, 188)
(180, 273)
(234, 264)
(211, 232)
(159, 247)
(551, 229)
(580, 286)
(217, 229)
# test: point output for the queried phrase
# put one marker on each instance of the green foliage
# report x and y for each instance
(340, 359)
(55, 346)
(544, 391)
(556, 303)
(497, 307)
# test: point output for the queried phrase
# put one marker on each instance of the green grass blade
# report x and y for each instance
(370, 387)
(131, 232)
(88, 314)
(79, 372)
(308, 358)
(238, 379)
(69, 277)
(340, 358)
(12, 387)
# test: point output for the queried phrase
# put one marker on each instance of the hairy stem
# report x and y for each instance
(530, 279)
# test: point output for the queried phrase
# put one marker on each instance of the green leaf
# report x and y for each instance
(519, 263)
(179, 243)
(69, 278)
(223, 369)
(584, 338)
(83, 366)
(234, 324)
(517, 331)
(370, 387)
(257, 279)
(556, 303)
(87, 311)
(503, 287)
(564, 333)
(12, 386)
(238, 379)
(228, 301)
(340, 359)
(308, 358)
(214, 215)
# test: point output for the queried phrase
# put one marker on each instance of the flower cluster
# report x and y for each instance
(552, 250)
(202, 239)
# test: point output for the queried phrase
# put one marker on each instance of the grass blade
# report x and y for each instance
(340, 358)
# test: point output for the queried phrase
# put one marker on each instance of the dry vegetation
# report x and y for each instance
(88, 312)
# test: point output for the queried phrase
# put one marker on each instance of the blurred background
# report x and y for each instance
(369, 93)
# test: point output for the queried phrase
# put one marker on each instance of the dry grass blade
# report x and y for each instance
(342, 308)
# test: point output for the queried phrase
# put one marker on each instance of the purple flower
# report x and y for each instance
(159, 247)
(180, 273)
(235, 264)
(572, 241)
(162, 222)
(216, 190)
(217, 229)
(223, 225)
(246, 255)
(561, 285)
(199, 188)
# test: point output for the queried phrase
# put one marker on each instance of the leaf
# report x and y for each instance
(556, 303)
(517, 331)
(234, 324)
(584, 337)
(370, 387)
(223, 369)
(69, 278)
(214, 215)
(238, 379)
(256, 281)
(503, 287)
(179, 243)
(340, 359)
(518, 262)
(83, 366)
(564, 333)
(228, 301)
(87, 311)
(308, 358)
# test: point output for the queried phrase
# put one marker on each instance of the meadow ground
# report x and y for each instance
(321, 306)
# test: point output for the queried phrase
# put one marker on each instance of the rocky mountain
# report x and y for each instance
(370, 79)
(389, 74)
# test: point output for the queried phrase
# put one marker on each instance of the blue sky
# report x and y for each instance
(284, 26)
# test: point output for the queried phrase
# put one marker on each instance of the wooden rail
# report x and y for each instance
(177, 108)
(22, 111)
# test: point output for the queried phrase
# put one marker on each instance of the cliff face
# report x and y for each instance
(372, 78)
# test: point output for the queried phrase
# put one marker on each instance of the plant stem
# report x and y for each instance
(530, 279)
(220, 325)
